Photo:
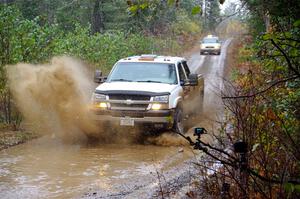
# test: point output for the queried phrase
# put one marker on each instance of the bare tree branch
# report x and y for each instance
(286, 57)
(229, 162)
(262, 91)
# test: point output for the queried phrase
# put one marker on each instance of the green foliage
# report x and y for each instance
(68, 12)
(297, 23)
(196, 10)
(256, 25)
(290, 188)
(212, 14)
(158, 17)
(184, 25)
(280, 50)
(268, 15)
(103, 50)
(27, 41)
(23, 40)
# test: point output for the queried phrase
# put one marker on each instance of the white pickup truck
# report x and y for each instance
(210, 45)
(148, 91)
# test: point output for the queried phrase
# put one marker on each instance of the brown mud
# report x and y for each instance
(53, 97)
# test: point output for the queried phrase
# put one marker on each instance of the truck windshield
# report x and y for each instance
(210, 40)
(144, 72)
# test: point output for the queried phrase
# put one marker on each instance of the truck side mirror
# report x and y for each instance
(182, 83)
(193, 79)
(98, 78)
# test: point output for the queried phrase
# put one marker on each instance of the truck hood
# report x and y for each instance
(136, 86)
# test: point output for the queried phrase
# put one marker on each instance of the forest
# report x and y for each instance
(262, 98)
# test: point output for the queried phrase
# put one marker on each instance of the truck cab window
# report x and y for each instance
(182, 76)
(186, 68)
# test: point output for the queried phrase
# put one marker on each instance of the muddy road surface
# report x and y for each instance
(51, 168)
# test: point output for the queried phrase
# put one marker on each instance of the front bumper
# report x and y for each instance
(160, 118)
(210, 51)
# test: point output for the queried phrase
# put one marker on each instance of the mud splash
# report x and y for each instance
(53, 97)
(167, 139)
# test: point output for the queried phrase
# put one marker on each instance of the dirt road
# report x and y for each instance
(50, 168)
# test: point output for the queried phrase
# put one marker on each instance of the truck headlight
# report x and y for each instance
(101, 105)
(158, 106)
(162, 98)
(98, 101)
(98, 97)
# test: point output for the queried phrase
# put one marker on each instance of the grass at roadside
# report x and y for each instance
(10, 138)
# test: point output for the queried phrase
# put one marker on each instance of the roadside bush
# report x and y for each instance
(184, 25)
(21, 41)
(263, 107)
(103, 50)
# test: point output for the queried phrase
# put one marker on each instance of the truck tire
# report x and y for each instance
(178, 125)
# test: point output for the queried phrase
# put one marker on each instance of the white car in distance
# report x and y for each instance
(210, 45)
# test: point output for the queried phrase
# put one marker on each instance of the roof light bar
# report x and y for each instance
(147, 57)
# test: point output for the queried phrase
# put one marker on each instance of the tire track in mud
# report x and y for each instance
(146, 186)
(213, 71)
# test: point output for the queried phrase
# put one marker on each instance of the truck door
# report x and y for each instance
(196, 93)
(193, 89)
(190, 100)
(186, 68)
(183, 80)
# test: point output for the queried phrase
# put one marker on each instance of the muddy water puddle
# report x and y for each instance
(48, 168)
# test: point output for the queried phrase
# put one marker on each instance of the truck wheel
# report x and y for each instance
(178, 125)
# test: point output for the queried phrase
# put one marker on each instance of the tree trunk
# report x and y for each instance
(267, 22)
(98, 17)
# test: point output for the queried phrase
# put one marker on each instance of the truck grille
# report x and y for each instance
(129, 102)
(126, 97)
(136, 114)
(121, 106)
